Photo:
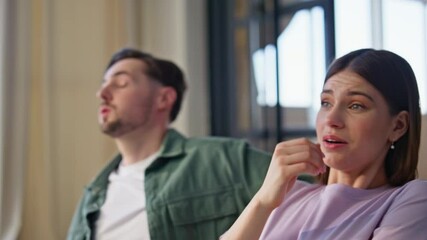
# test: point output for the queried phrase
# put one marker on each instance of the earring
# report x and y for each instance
(392, 146)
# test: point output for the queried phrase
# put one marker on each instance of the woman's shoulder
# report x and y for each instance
(415, 185)
(414, 190)
(406, 217)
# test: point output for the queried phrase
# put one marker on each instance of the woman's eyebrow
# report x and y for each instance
(327, 91)
(360, 93)
(350, 93)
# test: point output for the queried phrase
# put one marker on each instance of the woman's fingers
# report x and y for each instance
(298, 163)
(290, 159)
(299, 150)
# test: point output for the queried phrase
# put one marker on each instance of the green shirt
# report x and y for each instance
(195, 189)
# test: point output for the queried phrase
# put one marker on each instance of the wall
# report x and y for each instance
(181, 38)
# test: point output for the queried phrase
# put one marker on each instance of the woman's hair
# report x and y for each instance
(393, 77)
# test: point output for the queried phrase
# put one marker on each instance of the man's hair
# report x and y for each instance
(163, 71)
(394, 78)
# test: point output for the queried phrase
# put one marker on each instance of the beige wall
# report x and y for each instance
(71, 41)
(181, 38)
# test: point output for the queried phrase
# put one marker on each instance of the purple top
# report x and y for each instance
(337, 211)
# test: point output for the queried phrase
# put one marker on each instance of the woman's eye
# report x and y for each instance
(356, 106)
(325, 104)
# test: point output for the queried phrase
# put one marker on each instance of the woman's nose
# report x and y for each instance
(334, 117)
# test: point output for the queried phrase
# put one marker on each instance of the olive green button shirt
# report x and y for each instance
(195, 189)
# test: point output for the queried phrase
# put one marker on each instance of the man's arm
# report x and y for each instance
(75, 229)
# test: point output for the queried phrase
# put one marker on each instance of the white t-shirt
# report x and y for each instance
(123, 215)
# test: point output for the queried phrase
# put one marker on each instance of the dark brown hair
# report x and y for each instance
(163, 71)
(394, 78)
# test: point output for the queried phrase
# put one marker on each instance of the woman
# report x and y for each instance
(368, 133)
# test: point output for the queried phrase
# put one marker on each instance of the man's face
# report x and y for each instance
(128, 98)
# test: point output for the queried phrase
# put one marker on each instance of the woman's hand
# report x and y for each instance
(290, 159)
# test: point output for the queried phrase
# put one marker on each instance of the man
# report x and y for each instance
(162, 185)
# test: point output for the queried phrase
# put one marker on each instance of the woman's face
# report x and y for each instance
(354, 126)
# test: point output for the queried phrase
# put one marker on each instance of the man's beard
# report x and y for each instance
(113, 129)
(118, 126)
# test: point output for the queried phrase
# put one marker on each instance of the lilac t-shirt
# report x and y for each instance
(338, 211)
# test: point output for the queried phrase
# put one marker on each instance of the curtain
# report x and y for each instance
(13, 113)
(71, 42)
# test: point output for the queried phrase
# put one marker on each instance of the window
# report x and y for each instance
(301, 60)
(252, 98)
(396, 25)
(269, 58)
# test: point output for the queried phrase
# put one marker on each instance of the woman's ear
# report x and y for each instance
(400, 126)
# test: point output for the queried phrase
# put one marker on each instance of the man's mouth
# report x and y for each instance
(104, 111)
